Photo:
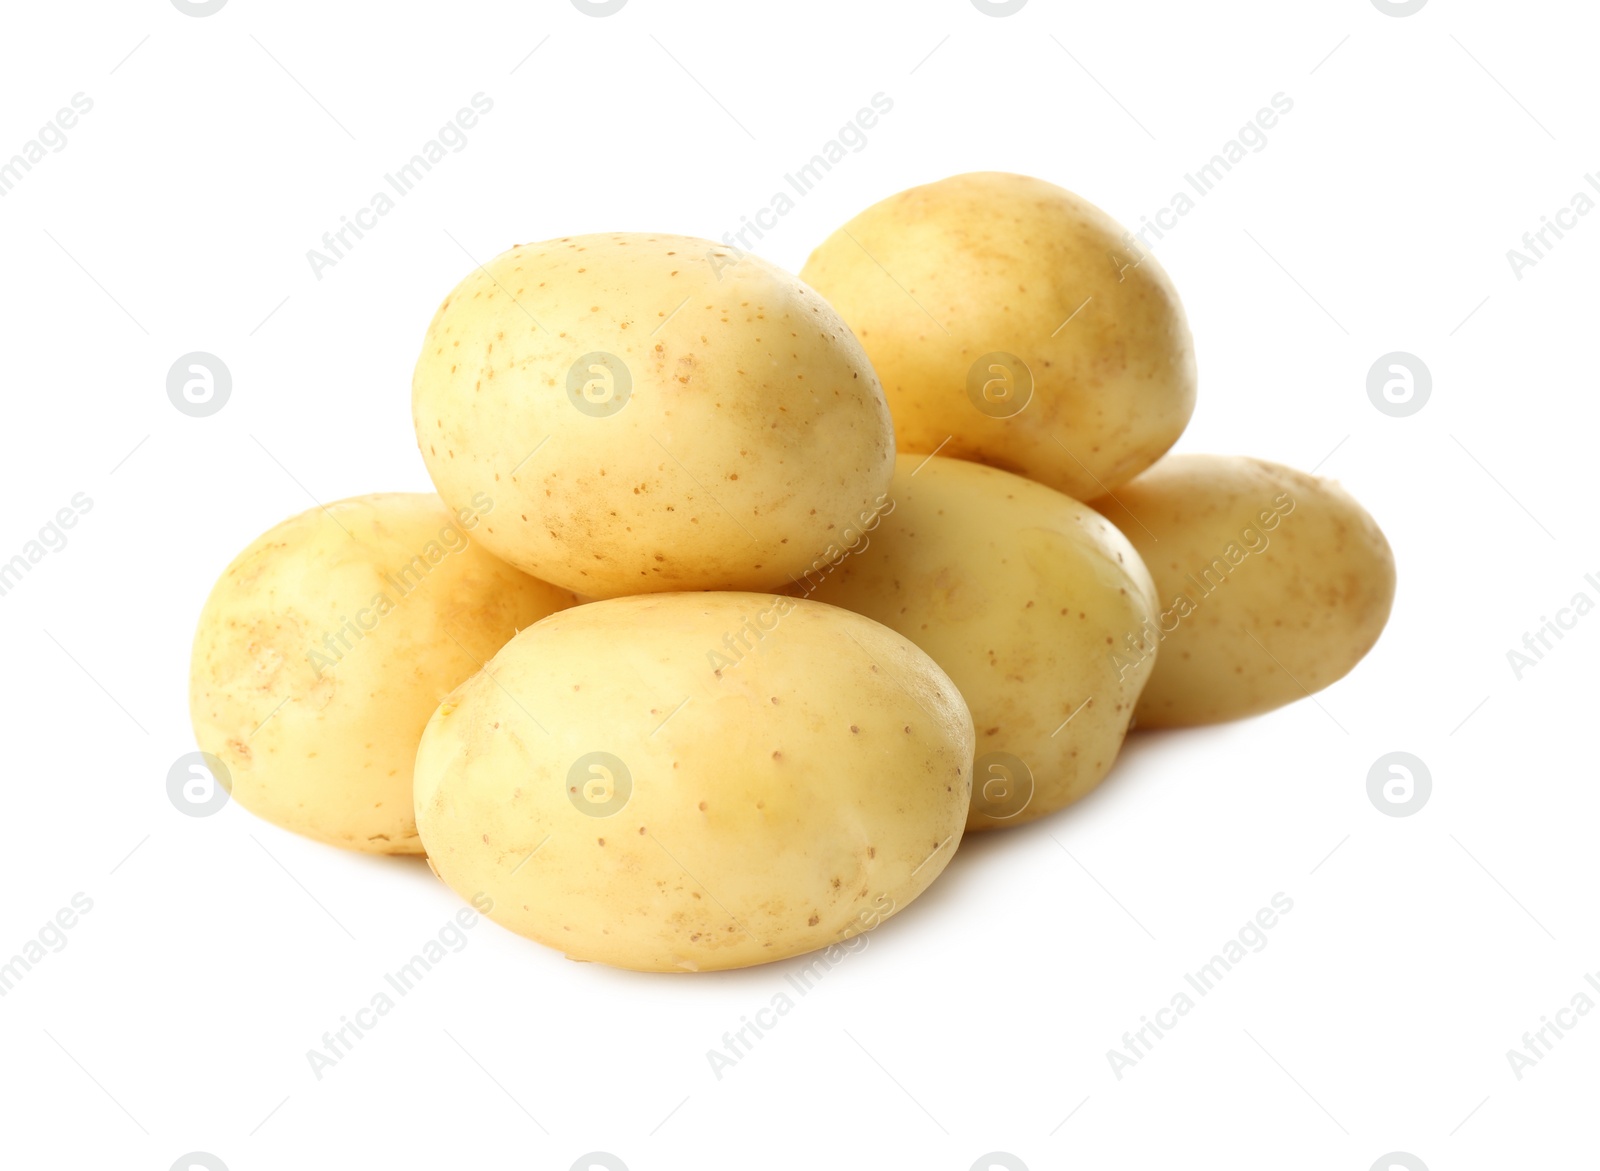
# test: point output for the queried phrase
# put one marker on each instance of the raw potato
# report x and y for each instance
(1273, 584)
(969, 291)
(657, 412)
(688, 782)
(1025, 597)
(328, 643)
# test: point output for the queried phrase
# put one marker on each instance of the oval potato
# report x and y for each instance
(1023, 596)
(657, 412)
(328, 643)
(1273, 584)
(1015, 324)
(618, 785)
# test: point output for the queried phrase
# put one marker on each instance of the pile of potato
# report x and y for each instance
(744, 595)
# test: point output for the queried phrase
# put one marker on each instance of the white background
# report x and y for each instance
(1419, 950)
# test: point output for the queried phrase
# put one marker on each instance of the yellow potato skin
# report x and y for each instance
(1023, 596)
(937, 277)
(753, 431)
(324, 648)
(1273, 584)
(796, 772)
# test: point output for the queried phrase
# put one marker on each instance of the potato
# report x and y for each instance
(687, 782)
(1017, 325)
(1273, 584)
(656, 412)
(327, 644)
(1021, 594)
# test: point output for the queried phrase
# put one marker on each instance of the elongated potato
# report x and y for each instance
(1273, 584)
(1020, 594)
(1015, 324)
(656, 412)
(686, 782)
(327, 644)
